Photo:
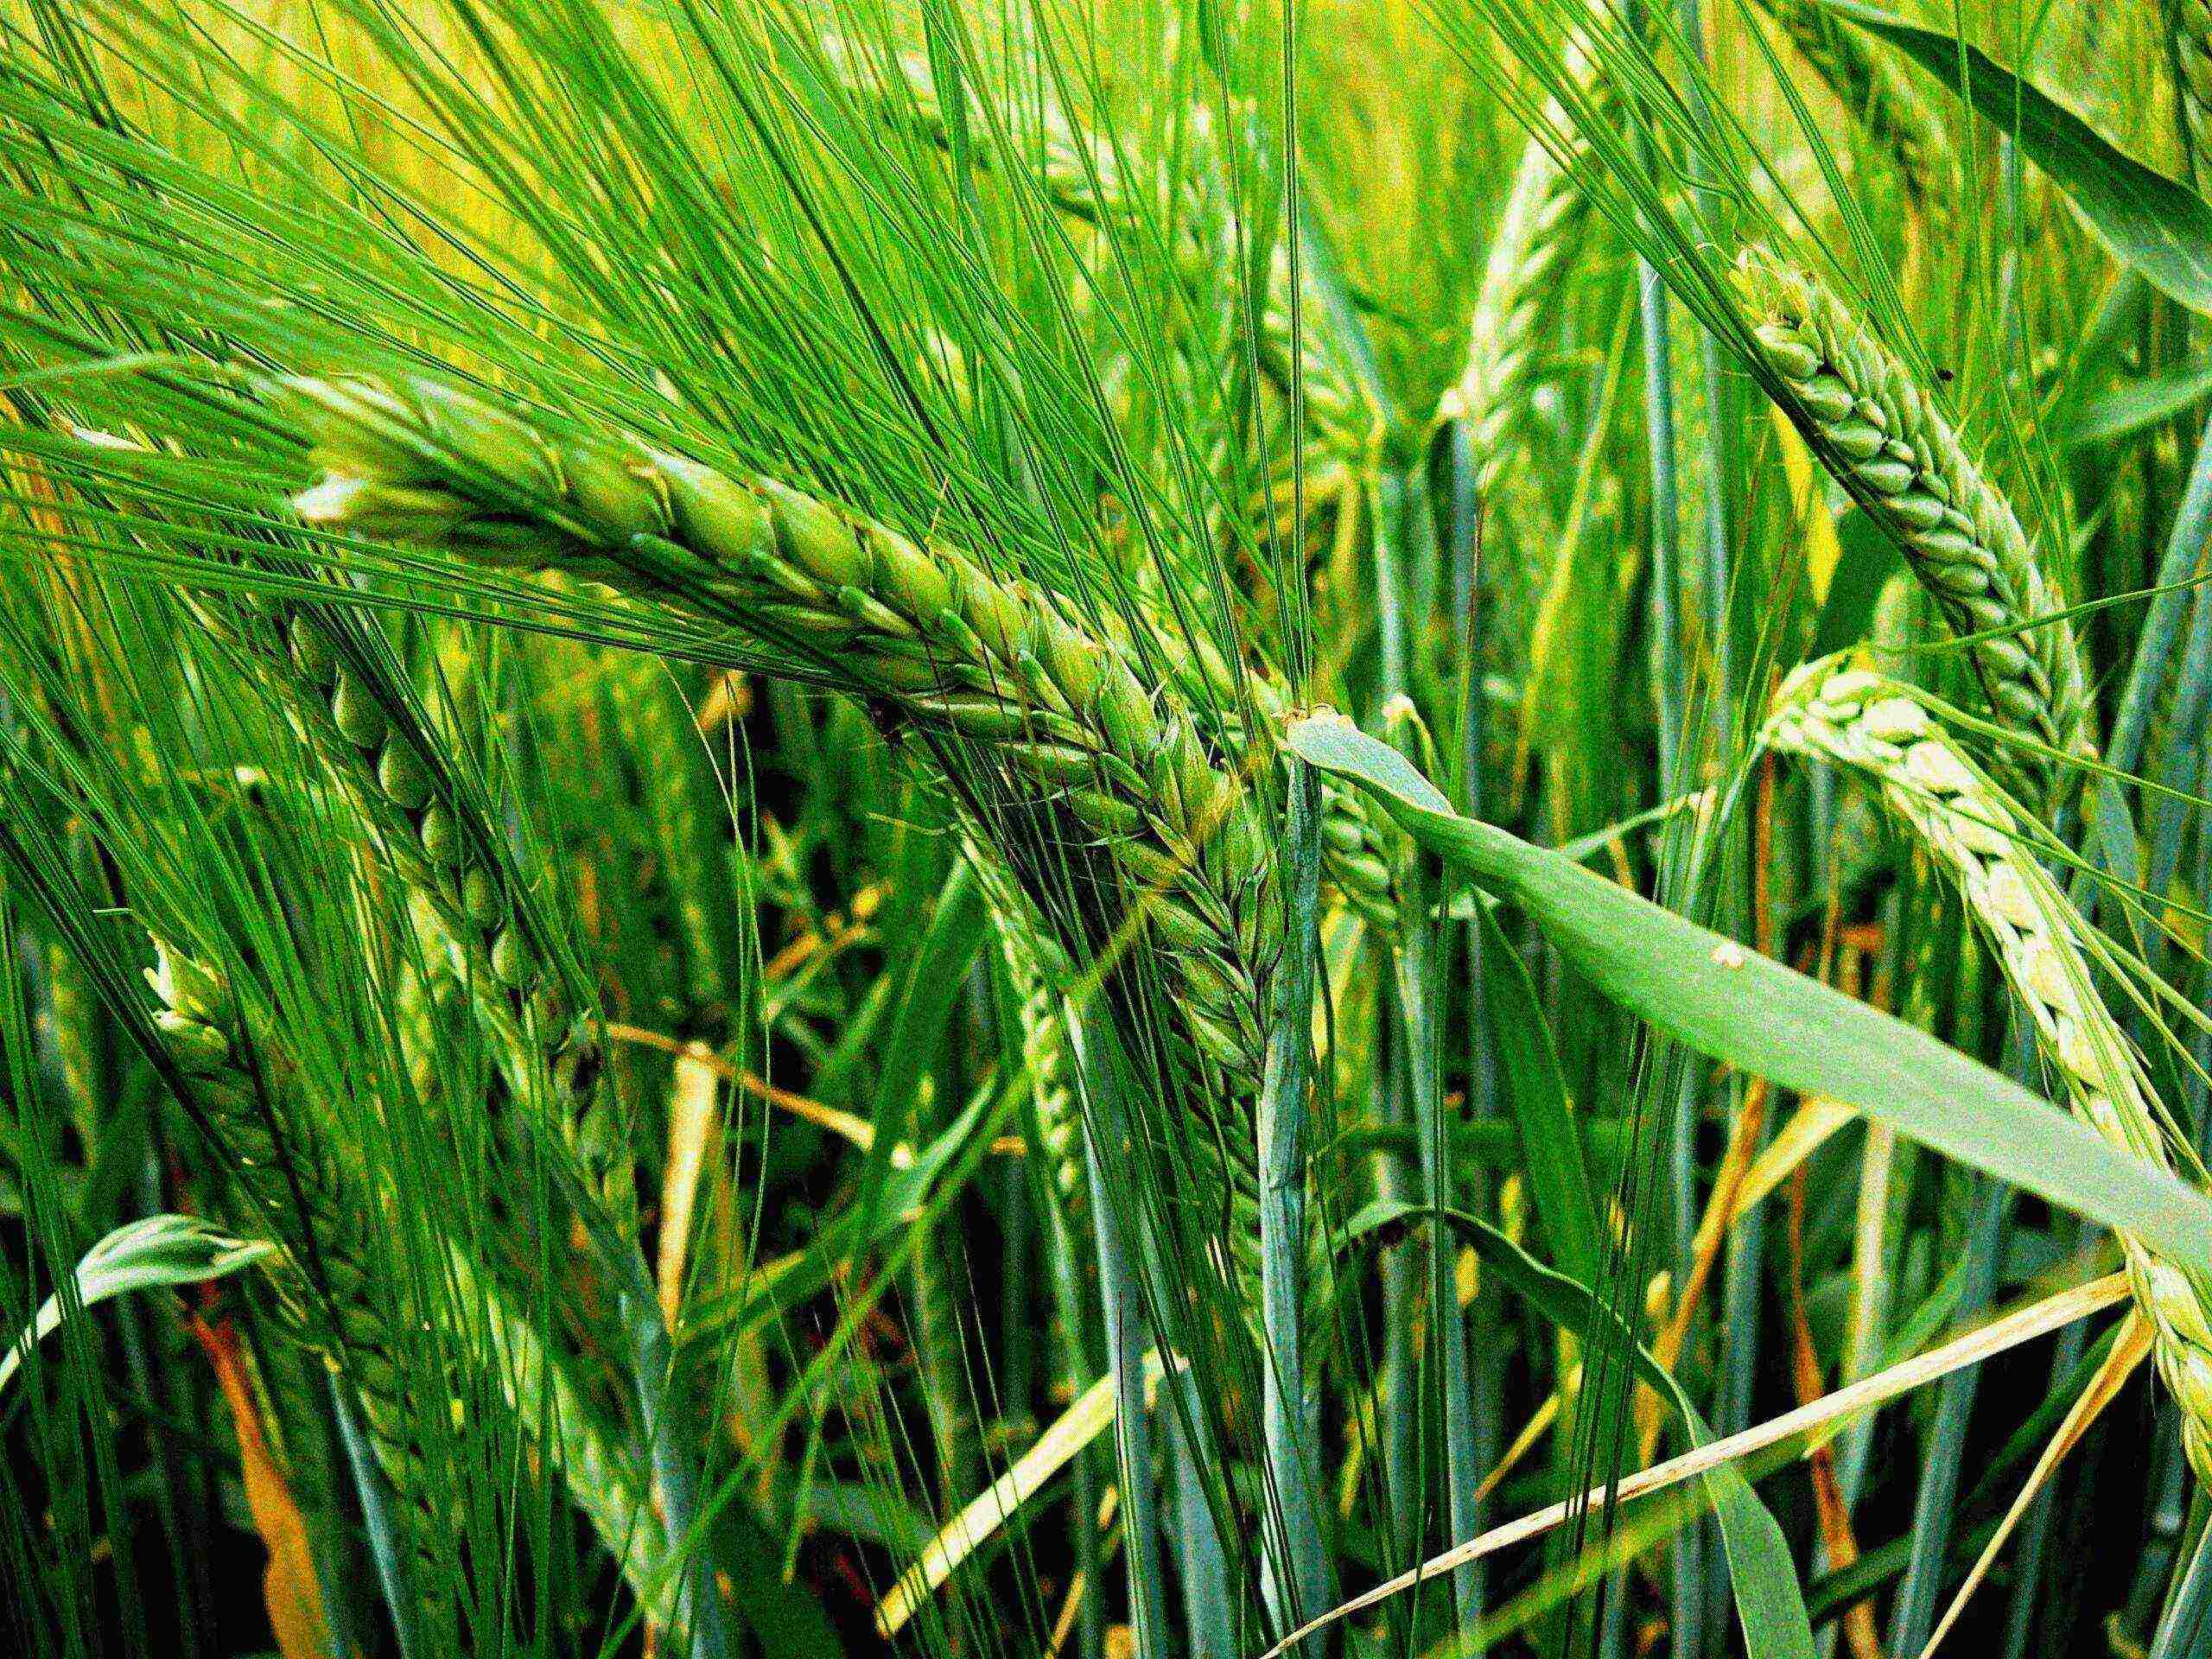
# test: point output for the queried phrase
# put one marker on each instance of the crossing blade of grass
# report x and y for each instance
(984, 1515)
(1736, 1006)
(2126, 1357)
(2022, 1325)
(1768, 1599)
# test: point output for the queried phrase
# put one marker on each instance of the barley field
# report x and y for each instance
(1134, 829)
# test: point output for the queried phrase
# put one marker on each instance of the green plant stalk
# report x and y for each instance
(1123, 1297)
(1417, 971)
(1202, 1564)
(1883, 439)
(1303, 1587)
(374, 1489)
(675, 780)
(2162, 619)
(2046, 952)
(1665, 661)
(1467, 629)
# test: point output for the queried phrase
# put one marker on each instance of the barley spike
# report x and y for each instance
(921, 628)
(1883, 439)
(1969, 828)
(2189, 24)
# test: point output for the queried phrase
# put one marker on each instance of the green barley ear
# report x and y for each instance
(1543, 223)
(1883, 439)
(2189, 26)
(287, 1188)
(422, 826)
(922, 628)
(1975, 834)
(1538, 235)
(1875, 88)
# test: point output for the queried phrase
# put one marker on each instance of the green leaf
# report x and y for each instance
(2127, 411)
(1736, 1006)
(143, 1254)
(2162, 228)
(1769, 1601)
(1551, 1151)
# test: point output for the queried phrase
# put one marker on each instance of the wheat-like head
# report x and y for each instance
(1882, 437)
(2189, 23)
(1874, 87)
(993, 663)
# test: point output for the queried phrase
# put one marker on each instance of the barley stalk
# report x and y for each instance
(351, 712)
(678, 789)
(2040, 941)
(1882, 437)
(1079, 176)
(1536, 235)
(1023, 949)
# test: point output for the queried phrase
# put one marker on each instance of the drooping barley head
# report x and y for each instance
(1975, 834)
(1880, 435)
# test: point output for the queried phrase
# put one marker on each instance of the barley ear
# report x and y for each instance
(1880, 436)
(1976, 835)
(2189, 24)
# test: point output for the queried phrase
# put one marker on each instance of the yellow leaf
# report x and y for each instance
(290, 1587)
(1809, 502)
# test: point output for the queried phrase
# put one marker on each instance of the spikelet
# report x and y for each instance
(2039, 940)
(319, 1210)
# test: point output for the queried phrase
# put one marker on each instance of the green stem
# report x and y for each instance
(1122, 1295)
(384, 1547)
(1287, 1406)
